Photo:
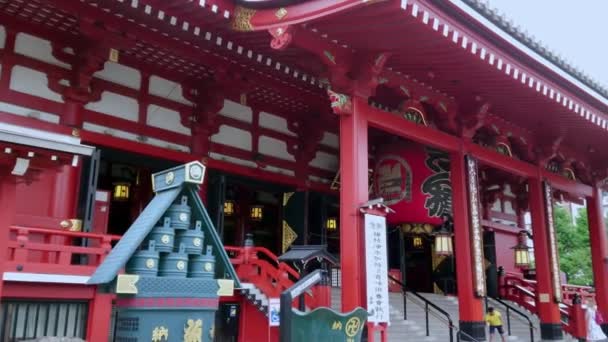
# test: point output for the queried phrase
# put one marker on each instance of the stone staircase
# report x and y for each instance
(414, 328)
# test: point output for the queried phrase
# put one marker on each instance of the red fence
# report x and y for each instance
(523, 292)
(41, 250)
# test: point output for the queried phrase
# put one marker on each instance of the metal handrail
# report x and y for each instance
(512, 308)
(427, 304)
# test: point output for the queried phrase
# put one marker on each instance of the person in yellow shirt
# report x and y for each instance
(494, 320)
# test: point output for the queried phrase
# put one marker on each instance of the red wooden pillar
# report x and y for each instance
(73, 112)
(100, 317)
(65, 198)
(470, 306)
(547, 306)
(599, 251)
(353, 193)
(8, 192)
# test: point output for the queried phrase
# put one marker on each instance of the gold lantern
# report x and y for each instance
(121, 191)
(417, 242)
(256, 213)
(228, 208)
(331, 224)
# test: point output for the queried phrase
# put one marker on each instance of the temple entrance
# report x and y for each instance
(123, 188)
(418, 263)
(414, 180)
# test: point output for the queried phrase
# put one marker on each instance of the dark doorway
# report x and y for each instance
(418, 263)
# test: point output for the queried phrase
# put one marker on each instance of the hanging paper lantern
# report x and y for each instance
(414, 181)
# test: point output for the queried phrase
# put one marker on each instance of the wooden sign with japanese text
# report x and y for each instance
(376, 269)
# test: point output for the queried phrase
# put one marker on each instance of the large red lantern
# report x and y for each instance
(414, 181)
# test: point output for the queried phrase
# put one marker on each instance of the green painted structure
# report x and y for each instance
(175, 265)
(324, 324)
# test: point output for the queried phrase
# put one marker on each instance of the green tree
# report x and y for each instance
(573, 246)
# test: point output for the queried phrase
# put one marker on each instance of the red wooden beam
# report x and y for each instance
(501, 162)
(249, 20)
(48, 291)
(561, 183)
(398, 126)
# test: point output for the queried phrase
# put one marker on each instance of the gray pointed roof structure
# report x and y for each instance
(168, 185)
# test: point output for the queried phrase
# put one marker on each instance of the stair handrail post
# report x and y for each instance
(249, 249)
(508, 321)
(426, 316)
(404, 306)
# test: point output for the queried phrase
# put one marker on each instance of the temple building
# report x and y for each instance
(306, 114)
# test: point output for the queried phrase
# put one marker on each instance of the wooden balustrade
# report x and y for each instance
(261, 267)
(41, 250)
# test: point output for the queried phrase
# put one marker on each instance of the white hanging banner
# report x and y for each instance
(376, 269)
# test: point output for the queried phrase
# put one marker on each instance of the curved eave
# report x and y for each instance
(247, 19)
(527, 55)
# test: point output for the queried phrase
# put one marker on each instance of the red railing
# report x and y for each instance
(259, 266)
(42, 250)
(523, 292)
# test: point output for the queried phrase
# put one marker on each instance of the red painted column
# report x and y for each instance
(470, 306)
(65, 196)
(547, 307)
(73, 112)
(8, 191)
(599, 251)
(100, 315)
(353, 193)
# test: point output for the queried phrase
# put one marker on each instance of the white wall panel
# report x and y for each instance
(28, 112)
(274, 147)
(237, 111)
(280, 170)
(325, 161)
(167, 89)
(2, 37)
(116, 105)
(167, 145)
(276, 123)
(166, 119)
(37, 48)
(233, 137)
(237, 161)
(330, 139)
(32, 82)
(120, 74)
(87, 126)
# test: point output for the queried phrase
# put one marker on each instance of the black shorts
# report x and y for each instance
(496, 327)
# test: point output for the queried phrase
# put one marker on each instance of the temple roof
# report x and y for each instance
(507, 25)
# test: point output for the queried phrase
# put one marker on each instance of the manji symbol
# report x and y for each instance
(352, 326)
(160, 334)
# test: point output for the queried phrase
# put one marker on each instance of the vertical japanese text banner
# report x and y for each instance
(376, 269)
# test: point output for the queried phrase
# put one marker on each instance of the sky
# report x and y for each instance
(576, 30)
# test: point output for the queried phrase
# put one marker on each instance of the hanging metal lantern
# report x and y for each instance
(121, 191)
(522, 251)
(443, 238)
(256, 213)
(228, 208)
(417, 242)
(331, 224)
